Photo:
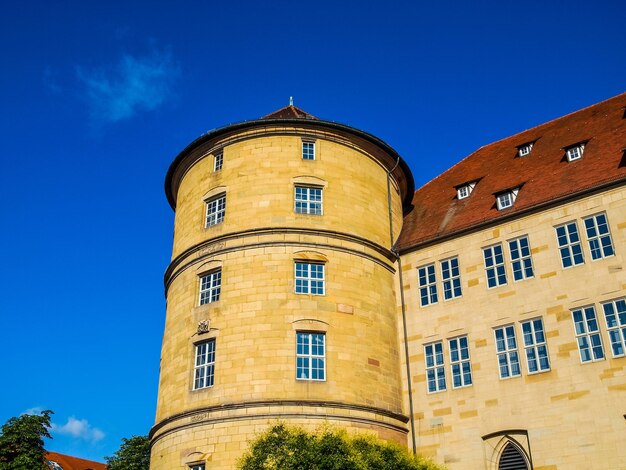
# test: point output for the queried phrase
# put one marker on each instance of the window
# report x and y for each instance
(535, 346)
(451, 278)
(215, 210)
(308, 150)
(204, 370)
(428, 285)
(435, 372)
(615, 316)
(310, 356)
(598, 236)
(494, 266)
(524, 150)
(210, 287)
(460, 362)
(464, 191)
(506, 348)
(308, 200)
(512, 458)
(309, 278)
(521, 260)
(569, 245)
(506, 199)
(218, 161)
(588, 334)
(197, 466)
(575, 152)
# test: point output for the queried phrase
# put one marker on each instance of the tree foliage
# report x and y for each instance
(133, 454)
(290, 448)
(21, 441)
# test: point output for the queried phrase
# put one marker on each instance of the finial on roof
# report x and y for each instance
(291, 101)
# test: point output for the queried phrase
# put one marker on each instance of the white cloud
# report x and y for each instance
(36, 410)
(134, 84)
(78, 428)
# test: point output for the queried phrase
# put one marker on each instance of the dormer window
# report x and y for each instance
(464, 191)
(506, 199)
(524, 150)
(575, 152)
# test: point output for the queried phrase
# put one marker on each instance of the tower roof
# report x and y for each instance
(289, 112)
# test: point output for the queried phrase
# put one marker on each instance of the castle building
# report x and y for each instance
(480, 320)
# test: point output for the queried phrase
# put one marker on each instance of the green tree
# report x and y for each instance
(21, 442)
(133, 454)
(291, 448)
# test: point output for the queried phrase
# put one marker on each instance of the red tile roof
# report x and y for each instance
(74, 463)
(545, 176)
(289, 112)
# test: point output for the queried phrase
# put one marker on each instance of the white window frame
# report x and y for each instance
(587, 330)
(506, 352)
(615, 318)
(524, 150)
(599, 236)
(309, 278)
(569, 244)
(215, 210)
(451, 282)
(535, 345)
(306, 201)
(435, 367)
(218, 161)
(210, 287)
(521, 258)
(460, 362)
(308, 354)
(495, 268)
(427, 281)
(464, 191)
(575, 152)
(204, 365)
(308, 150)
(506, 199)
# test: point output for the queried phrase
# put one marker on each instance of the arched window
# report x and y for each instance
(512, 458)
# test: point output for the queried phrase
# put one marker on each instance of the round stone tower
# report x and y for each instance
(280, 292)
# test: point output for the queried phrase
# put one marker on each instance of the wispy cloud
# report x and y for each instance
(78, 428)
(134, 84)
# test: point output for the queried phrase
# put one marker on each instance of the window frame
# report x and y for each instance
(508, 351)
(309, 150)
(599, 237)
(616, 329)
(307, 205)
(575, 152)
(535, 346)
(588, 334)
(310, 357)
(463, 192)
(451, 279)
(428, 290)
(437, 367)
(206, 368)
(525, 149)
(495, 266)
(307, 280)
(215, 213)
(214, 289)
(218, 161)
(460, 362)
(511, 196)
(569, 245)
(197, 466)
(521, 258)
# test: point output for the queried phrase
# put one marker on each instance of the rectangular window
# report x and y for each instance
(204, 370)
(460, 362)
(308, 200)
(535, 346)
(524, 150)
(427, 285)
(197, 466)
(588, 334)
(494, 266)
(310, 356)
(210, 287)
(598, 236)
(435, 372)
(506, 347)
(451, 276)
(308, 150)
(218, 162)
(506, 200)
(215, 210)
(615, 316)
(575, 153)
(309, 278)
(521, 260)
(569, 245)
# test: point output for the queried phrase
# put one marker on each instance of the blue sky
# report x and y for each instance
(97, 98)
